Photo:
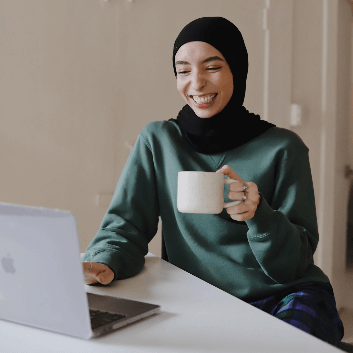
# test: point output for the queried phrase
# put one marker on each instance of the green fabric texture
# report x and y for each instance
(250, 260)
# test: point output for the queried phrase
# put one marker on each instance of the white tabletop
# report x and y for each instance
(194, 317)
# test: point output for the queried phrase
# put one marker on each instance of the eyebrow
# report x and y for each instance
(211, 58)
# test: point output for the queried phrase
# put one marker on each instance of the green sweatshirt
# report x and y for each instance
(250, 260)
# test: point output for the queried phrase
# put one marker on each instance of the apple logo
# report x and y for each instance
(7, 264)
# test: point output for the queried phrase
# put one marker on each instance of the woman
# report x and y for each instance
(261, 250)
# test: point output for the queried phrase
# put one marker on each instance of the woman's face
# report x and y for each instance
(204, 78)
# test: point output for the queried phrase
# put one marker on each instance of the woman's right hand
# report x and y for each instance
(98, 273)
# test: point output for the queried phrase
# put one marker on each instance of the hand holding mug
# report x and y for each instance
(246, 209)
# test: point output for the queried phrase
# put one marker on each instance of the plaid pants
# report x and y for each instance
(310, 307)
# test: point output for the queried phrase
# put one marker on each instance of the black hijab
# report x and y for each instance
(234, 125)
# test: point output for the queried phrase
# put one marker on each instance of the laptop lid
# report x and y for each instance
(41, 270)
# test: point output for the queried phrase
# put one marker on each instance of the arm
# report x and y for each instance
(132, 218)
(284, 237)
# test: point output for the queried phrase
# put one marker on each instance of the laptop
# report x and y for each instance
(42, 277)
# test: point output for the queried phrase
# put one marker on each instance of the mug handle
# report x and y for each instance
(233, 203)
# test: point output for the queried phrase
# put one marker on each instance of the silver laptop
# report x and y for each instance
(42, 281)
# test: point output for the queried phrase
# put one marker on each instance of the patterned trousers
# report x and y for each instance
(310, 307)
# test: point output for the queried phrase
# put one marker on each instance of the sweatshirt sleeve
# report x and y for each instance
(131, 220)
(284, 236)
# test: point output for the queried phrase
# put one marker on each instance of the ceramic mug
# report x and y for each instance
(202, 192)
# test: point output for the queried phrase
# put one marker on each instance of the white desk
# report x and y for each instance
(194, 317)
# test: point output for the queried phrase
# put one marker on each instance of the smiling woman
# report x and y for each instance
(210, 63)
(259, 250)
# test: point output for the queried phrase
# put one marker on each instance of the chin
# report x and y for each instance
(203, 114)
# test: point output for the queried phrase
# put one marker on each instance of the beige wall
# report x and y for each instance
(76, 91)
(306, 77)
(343, 126)
(59, 111)
(72, 101)
(321, 82)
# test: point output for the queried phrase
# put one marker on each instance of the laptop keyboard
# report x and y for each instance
(100, 318)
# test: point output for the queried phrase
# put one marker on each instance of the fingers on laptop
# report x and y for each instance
(106, 276)
(97, 273)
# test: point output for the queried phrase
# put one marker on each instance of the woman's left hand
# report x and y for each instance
(245, 210)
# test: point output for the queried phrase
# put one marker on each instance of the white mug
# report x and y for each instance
(202, 192)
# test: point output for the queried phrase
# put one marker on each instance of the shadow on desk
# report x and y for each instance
(346, 347)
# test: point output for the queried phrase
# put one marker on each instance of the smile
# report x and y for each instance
(204, 99)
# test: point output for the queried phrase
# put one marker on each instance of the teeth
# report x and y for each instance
(203, 99)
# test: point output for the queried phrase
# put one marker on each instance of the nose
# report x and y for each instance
(198, 81)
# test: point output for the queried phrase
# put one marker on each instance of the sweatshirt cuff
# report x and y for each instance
(264, 220)
(105, 257)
